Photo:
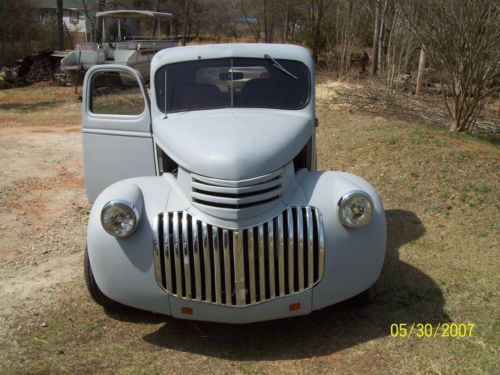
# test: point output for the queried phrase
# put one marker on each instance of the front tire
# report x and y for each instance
(94, 290)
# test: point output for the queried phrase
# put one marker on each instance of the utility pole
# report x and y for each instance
(185, 23)
(60, 30)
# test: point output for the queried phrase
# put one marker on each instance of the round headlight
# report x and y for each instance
(119, 218)
(355, 209)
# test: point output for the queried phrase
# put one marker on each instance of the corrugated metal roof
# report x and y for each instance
(132, 14)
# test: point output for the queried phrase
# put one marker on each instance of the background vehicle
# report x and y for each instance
(134, 51)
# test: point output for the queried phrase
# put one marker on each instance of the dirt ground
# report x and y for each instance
(440, 193)
(43, 208)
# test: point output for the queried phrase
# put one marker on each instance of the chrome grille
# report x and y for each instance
(236, 194)
(198, 261)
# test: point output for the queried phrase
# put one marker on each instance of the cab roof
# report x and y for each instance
(220, 51)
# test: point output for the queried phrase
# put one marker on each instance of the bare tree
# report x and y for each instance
(287, 20)
(89, 12)
(380, 41)
(218, 19)
(462, 40)
(265, 18)
(402, 48)
(18, 26)
(317, 11)
(185, 22)
(376, 30)
(341, 34)
(254, 27)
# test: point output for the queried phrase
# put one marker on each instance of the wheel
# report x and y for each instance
(94, 290)
(365, 298)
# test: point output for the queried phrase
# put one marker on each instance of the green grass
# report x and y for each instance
(440, 192)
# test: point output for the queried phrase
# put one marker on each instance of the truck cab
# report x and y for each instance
(206, 200)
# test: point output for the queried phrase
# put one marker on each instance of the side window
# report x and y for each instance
(115, 93)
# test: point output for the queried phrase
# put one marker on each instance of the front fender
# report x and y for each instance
(353, 257)
(123, 267)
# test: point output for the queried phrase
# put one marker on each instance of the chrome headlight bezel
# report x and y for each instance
(345, 199)
(127, 206)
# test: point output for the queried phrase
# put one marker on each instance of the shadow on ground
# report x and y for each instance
(406, 294)
(31, 107)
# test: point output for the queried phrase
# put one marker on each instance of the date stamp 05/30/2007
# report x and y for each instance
(430, 330)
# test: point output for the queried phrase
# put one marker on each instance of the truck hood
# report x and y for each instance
(233, 144)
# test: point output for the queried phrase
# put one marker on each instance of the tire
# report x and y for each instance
(94, 290)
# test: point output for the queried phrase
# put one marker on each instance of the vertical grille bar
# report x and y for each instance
(185, 256)
(291, 278)
(270, 241)
(321, 242)
(281, 256)
(262, 271)
(310, 248)
(157, 248)
(236, 267)
(227, 266)
(251, 266)
(217, 270)
(168, 253)
(239, 268)
(177, 255)
(196, 256)
(300, 248)
(206, 257)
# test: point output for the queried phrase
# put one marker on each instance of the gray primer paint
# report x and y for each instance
(230, 144)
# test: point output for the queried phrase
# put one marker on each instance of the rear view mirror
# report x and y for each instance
(227, 76)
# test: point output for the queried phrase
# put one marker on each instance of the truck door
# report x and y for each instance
(117, 138)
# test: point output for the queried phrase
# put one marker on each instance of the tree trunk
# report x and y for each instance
(60, 30)
(185, 22)
(285, 26)
(101, 5)
(255, 31)
(380, 43)
(317, 8)
(376, 26)
(420, 74)
(266, 24)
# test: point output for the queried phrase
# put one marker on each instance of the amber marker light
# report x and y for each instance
(187, 310)
(294, 306)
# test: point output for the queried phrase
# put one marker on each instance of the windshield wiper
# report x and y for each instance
(279, 66)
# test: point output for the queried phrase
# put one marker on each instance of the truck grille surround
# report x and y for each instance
(237, 194)
(239, 267)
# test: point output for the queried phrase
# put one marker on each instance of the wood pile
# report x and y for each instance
(8, 78)
(43, 67)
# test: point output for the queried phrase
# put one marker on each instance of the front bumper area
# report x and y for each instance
(125, 269)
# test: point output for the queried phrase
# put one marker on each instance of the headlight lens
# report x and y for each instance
(119, 218)
(355, 209)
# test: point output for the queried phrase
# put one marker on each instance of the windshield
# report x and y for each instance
(232, 82)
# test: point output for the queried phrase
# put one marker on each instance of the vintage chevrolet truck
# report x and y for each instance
(206, 200)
